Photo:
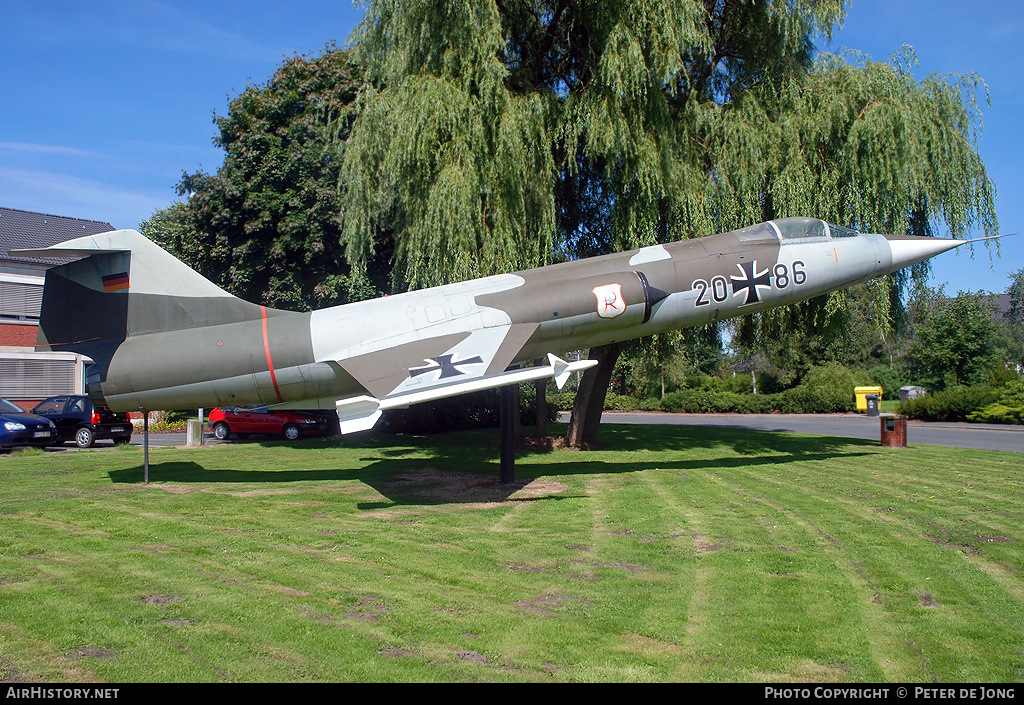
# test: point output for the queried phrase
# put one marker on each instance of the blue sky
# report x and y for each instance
(107, 102)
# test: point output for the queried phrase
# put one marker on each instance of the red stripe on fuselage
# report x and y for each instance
(266, 347)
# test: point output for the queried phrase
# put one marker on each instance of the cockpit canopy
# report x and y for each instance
(789, 230)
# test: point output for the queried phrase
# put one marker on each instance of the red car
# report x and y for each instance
(293, 425)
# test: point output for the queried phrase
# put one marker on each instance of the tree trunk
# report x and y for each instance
(586, 411)
(540, 428)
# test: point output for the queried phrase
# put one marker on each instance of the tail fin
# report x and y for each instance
(126, 285)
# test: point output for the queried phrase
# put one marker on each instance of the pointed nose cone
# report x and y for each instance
(908, 249)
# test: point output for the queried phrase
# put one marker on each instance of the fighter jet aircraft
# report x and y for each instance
(163, 337)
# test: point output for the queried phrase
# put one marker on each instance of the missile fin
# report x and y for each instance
(562, 370)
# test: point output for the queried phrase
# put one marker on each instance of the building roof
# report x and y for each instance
(1000, 304)
(22, 230)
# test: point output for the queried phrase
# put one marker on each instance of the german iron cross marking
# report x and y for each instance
(750, 281)
(446, 365)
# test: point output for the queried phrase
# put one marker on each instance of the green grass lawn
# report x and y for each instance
(682, 554)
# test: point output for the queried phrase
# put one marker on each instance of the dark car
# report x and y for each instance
(19, 428)
(78, 420)
(293, 425)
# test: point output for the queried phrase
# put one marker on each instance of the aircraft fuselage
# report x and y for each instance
(188, 344)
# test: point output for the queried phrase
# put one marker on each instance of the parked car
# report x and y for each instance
(241, 421)
(78, 420)
(19, 428)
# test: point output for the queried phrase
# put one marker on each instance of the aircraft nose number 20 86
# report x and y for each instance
(750, 281)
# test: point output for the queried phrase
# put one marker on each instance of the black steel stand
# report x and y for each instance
(508, 411)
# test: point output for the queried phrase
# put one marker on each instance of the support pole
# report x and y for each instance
(508, 410)
(145, 446)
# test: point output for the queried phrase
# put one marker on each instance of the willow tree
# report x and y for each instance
(500, 134)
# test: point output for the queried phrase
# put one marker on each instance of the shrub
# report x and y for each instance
(825, 389)
(756, 404)
(161, 425)
(889, 379)
(676, 402)
(467, 411)
(953, 404)
(528, 406)
(620, 402)
(477, 410)
(998, 413)
(650, 404)
(1012, 394)
(701, 401)
(561, 401)
(1009, 407)
(735, 384)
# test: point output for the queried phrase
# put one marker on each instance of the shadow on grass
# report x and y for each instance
(193, 472)
(465, 466)
(623, 451)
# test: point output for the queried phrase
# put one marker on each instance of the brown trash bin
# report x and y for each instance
(894, 430)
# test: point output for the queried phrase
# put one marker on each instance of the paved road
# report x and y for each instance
(156, 440)
(957, 435)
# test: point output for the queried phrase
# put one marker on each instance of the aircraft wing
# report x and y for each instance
(440, 367)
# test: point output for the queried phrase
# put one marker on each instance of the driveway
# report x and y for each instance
(957, 435)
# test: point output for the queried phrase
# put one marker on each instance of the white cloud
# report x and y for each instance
(161, 25)
(75, 197)
(45, 149)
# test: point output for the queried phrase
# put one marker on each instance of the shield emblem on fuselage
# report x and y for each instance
(609, 300)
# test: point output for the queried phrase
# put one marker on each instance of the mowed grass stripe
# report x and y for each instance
(801, 524)
(768, 547)
(912, 542)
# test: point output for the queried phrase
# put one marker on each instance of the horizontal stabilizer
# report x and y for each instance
(361, 413)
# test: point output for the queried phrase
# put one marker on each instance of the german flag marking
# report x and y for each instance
(115, 282)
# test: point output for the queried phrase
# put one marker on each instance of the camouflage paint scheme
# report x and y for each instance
(164, 337)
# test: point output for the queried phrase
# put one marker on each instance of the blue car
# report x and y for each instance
(19, 429)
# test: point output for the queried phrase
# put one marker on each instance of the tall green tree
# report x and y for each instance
(1015, 290)
(659, 364)
(857, 328)
(955, 340)
(505, 133)
(1012, 324)
(265, 226)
